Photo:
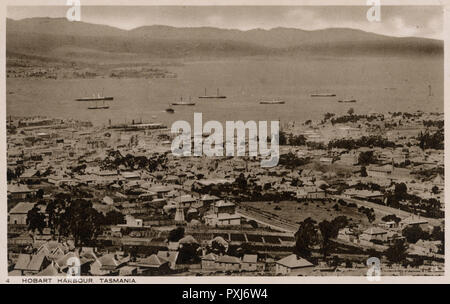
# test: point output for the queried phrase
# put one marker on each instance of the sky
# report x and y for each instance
(401, 21)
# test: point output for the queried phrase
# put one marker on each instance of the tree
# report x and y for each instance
(55, 210)
(35, 220)
(219, 246)
(363, 171)
(414, 233)
(437, 234)
(351, 111)
(328, 231)
(435, 190)
(391, 217)
(396, 253)
(305, 238)
(114, 217)
(189, 253)
(241, 181)
(282, 140)
(371, 215)
(340, 222)
(366, 158)
(176, 234)
(40, 193)
(253, 223)
(246, 248)
(84, 222)
(400, 191)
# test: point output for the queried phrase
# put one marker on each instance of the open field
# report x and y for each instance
(296, 212)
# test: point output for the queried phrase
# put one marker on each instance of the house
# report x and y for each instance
(131, 221)
(310, 193)
(293, 265)
(108, 264)
(131, 175)
(222, 219)
(389, 225)
(128, 271)
(19, 191)
(348, 159)
(18, 214)
(346, 234)
(228, 263)
(108, 200)
(223, 214)
(72, 259)
(170, 256)
(379, 171)
(413, 220)
(51, 271)
(374, 233)
(249, 262)
(161, 191)
(422, 247)
(326, 160)
(209, 261)
(208, 200)
(53, 249)
(186, 201)
(29, 264)
(224, 207)
(29, 175)
(172, 179)
(393, 236)
(363, 194)
(152, 265)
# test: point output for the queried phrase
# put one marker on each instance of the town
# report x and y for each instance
(347, 188)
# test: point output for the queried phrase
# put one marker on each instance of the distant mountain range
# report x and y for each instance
(62, 38)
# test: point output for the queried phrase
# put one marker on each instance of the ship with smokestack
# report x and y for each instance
(98, 97)
(273, 101)
(323, 95)
(183, 103)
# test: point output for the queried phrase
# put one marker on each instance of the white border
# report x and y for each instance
(223, 280)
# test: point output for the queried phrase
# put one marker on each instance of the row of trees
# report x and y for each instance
(311, 234)
(429, 140)
(427, 207)
(364, 141)
(74, 218)
(115, 159)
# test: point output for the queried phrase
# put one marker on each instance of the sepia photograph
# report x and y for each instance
(224, 141)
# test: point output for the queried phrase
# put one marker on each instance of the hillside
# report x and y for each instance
(57, 37)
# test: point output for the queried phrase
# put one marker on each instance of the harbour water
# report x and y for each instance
(378, 85)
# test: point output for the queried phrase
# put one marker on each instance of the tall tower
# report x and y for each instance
(179, 215)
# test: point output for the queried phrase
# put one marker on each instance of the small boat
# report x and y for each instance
(218, 96)
(274, 101)
(182, 103)
(323, 95)
(347, 100)
(170, 110)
